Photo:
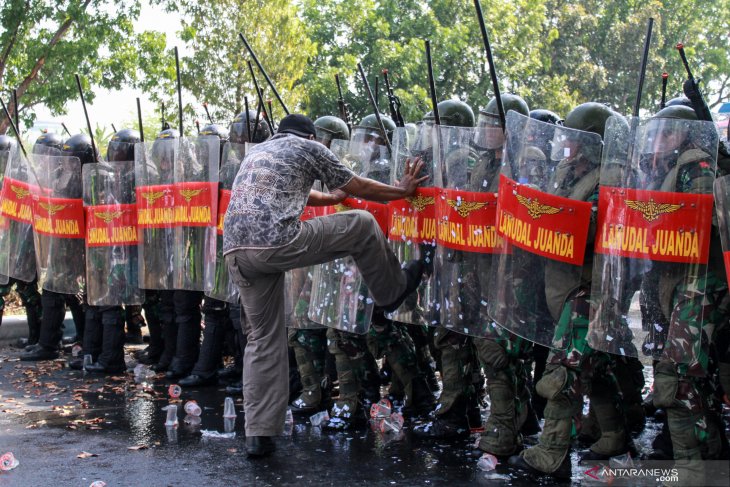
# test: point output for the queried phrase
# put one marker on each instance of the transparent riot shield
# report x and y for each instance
(412, 226)
(6, 236)
(544, 215)
(196, 211)
(340, 299)
(467, 169)
(58, 221)
(154, 167)
(653, 238)
(111, 234)
(217, 282)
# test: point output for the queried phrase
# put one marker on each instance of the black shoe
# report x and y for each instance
(194, 380)
(414, 272)
(147, 358)
(443, 428)
(342, 419)
(39, 352)
(98, 368)
(160, 367)
(563, 472)
(230, 374)
(76, 364)
(235, 388)
(259, 446)
(173, 374)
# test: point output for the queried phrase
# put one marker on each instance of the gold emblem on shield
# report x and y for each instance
(108, 216)
(51, 208)
(464, 208)
(651, 210)
(420, 202)
(536, 209)
(20, 193)
(189, 194)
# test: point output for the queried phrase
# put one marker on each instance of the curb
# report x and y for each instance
(16, 326)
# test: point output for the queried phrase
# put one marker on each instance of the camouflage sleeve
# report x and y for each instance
(696, 178)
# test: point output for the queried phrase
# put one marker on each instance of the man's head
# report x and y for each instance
(299, 125)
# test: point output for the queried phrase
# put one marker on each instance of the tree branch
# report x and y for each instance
(13, 38)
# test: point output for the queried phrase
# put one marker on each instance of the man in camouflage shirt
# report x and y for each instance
(263, 237)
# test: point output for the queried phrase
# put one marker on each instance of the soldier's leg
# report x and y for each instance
(205, 371)
(309, 346)
(134, 321)
(111, 359)
(76, 304)
(93, 334)
(629, 373)
(540, 354)
(31, 298)
(234, 314)
(54, 310)
(151, 309)
(349, 351)
(388, 339)
(169, 330)
(187, 318)
(4, 291)
(426, 363)
(501, 433)
(457, 365)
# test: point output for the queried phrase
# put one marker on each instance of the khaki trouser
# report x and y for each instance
(259, 276)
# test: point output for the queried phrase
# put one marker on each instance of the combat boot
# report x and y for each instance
(500, 436)
(450, 425)
(419, 398)
(550, 454)
(39, 352)
(346, 415)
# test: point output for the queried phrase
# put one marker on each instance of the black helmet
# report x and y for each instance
(546, 116)
(331, 128)
(680, 100)
(121, 146)
(509, 102)
(79, 145)
(168, 134)
(589, 117)
(371, 122)
(48, 141)
(455, 113)
(215, 129)
(682, 112)
(239, 132)
(7, 143)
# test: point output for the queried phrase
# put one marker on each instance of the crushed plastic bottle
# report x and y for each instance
(174, 391)
(320, 418)
(487, 463)
(8, 462)
(192, 408)
(229, 408)
(171, 421)
(76, 350)
(143, 373)
(621, 461)
(97, 483)
(393, 424)
(381, 409)
(288, 422)
(217, 434)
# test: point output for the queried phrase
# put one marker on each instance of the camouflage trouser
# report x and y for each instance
(571, 373)
(458, 364)
(310, 348)
(502, 355)
(31, 299)
(392, 341)
(682, 385)
(354, 362)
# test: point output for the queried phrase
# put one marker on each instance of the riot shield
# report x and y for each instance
(412, 226)
(217, 282)
(196, 211)
(340, 299)
(58, 221)
(721, 192)
(653, 238)
(111, 234)
(467, 176)
(544, 214)
(154, 164)
(17, 256)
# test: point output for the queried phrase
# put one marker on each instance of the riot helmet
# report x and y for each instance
(121, 146)
(666, 135)
(589, 117)
(331, 128)
(370, 125)
(454, 113)
(79, 146)
(680, 100)
(546, 116)
(163, 151)
(48, 143)
(489, 131)
(258, 127)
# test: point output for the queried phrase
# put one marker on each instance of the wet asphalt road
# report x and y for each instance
(50, 414)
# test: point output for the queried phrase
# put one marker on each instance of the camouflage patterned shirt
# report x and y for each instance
(271, 190)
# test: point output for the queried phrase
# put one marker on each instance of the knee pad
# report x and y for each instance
(666, 384)
(552, 383)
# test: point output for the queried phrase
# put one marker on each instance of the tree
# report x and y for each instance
(44, 43)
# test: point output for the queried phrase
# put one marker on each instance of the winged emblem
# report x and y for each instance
(51, 208)
(19, 192)
(340, 207)
(420, 202)
(108, 216)
(651, 210)
(152, 196)
(189, 194)
(464, 208)
(536, 209)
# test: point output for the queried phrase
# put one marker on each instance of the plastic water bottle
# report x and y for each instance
(393, 424)
(288, 422)
(171, 421)
(229, 408)
(381, 409)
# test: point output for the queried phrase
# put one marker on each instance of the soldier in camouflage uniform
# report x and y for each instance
(573, 368)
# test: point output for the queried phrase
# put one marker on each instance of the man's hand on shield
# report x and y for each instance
(410, 180)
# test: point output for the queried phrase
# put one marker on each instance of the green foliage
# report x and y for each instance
(44, 43)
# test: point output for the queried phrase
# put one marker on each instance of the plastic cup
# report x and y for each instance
(229, 408)
(171, 420)
(192, 408)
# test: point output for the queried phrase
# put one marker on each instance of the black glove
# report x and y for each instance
(692, 91)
